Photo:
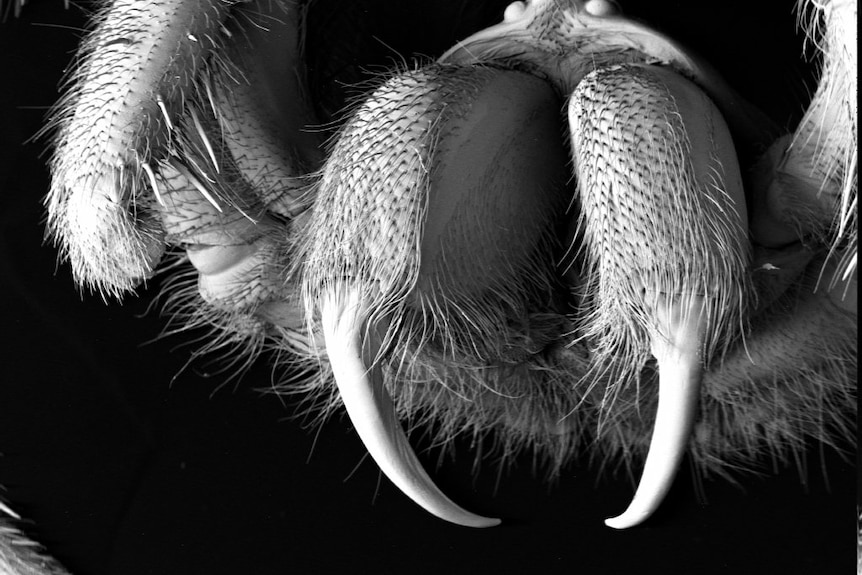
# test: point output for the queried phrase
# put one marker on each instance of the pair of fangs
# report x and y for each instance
(680, 325)
(372, 412)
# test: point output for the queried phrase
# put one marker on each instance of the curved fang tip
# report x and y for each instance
(373, 414)
(677, 350)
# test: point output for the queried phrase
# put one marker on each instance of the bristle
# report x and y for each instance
(195, 181)
(151, 175)
(18, 553)
(164, 109)
(203, 136)
(825, 145)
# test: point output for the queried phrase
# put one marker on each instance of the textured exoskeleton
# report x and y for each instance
(566, 233)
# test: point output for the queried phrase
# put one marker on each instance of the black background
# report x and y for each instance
(121, 471)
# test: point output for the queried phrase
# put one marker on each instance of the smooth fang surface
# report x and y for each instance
(360, 384)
